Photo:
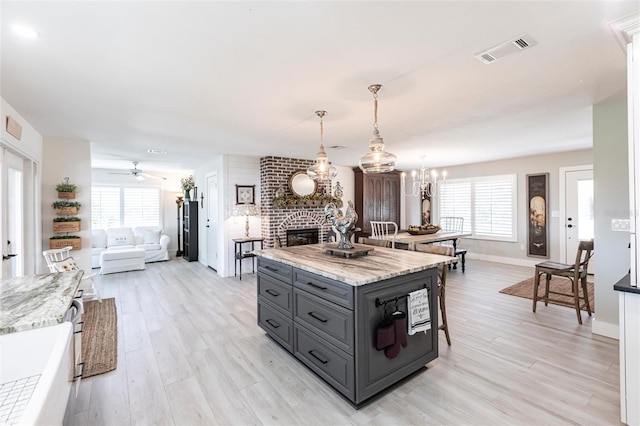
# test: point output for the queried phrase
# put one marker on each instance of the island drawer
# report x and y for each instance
(328, 289)
(275, 269)
(279, 327)
(330, 321)
(333, 365)
(276, 292)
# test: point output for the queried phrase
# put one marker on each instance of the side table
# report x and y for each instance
(241, 254)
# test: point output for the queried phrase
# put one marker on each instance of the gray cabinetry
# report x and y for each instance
(330, 326)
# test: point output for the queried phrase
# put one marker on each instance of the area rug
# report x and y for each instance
(525, 289)
(100, 337)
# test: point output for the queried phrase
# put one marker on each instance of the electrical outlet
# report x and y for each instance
(620, 225)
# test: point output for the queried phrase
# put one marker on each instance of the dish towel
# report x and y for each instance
(418, 308)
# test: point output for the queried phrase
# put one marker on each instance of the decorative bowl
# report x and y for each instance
(423, 231)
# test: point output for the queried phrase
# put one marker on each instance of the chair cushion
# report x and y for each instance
(120, 237)
(65, 265)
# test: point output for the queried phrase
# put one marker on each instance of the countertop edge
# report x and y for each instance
(624, 285)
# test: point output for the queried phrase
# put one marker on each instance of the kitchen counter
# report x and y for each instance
(36, 301)
(380, 264)
(326, 311)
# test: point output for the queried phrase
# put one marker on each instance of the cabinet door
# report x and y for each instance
(377, 198)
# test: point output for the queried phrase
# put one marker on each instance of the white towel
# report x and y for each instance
(418, 309)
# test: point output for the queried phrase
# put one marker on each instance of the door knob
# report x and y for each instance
(9, 256)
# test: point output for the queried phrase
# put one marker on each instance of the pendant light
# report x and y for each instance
(321, 170)
(377, 160)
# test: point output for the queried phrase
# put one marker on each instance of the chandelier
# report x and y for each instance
(377, 160)
(424, 182)
(321, 170)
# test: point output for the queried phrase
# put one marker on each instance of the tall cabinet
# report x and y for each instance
(190, 230)
(377, 197)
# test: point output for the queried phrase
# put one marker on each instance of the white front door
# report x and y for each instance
(212, 221)
(12, 223)
(578, 211)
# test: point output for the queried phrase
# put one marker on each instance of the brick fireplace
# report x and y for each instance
(275, 173)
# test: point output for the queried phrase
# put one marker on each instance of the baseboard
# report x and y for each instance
(605, 329)
(501, 259)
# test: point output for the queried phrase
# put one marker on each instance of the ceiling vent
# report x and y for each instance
(498, 52)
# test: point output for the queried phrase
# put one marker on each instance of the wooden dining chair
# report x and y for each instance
(442, 282)
(374, 242)
(576, 273)
(384, 230)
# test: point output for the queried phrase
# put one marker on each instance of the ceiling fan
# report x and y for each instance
(138, 174)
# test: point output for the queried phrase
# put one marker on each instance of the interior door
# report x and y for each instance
(212, 221)
(579, 211)
(12, 223)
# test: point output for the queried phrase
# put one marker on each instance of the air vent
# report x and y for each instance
(336, 147)
(498, 52)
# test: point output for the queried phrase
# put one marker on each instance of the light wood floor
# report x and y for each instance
(190, 352)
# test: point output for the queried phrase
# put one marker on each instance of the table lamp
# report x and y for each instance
(246, 210)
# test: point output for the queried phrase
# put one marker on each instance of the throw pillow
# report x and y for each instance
(151, 236)
(65, 265)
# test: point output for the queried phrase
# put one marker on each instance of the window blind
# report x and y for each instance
(114, 206)
(105, 206)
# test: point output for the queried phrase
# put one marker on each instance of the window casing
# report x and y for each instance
(114, 206)
(487, 204)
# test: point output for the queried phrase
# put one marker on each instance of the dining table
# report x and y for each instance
(412, 239)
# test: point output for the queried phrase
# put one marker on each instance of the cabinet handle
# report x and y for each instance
(81, 324)
(79, 294)
(272, 323)
(316, 316)
(81, 371)
(316, 285)
(270, 268)
(271, 292)
(324, 361)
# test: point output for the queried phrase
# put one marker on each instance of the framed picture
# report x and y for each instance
(245, 194)
(426, 210)
(538, 230)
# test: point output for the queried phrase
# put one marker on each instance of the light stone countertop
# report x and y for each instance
(380, 264)
(36, 301)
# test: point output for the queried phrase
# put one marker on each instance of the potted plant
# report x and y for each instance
(66, 207)
(62, 241)
(66, 224)
(66, 189)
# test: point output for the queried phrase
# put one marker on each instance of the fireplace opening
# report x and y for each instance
(301, 237)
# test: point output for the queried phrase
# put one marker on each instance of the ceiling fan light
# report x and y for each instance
(140, 178)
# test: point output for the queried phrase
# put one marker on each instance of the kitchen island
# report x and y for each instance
(325, 310)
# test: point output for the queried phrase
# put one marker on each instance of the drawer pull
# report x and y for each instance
(81, 324)
(272, 323)
(316, 285)
(324, 361)
(271, 292)
(271, 269)
(79, 294)
(316, 316)
(81, 371)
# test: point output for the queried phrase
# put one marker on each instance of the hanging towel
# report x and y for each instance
(419, 315)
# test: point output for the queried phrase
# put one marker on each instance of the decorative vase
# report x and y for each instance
(187, 194)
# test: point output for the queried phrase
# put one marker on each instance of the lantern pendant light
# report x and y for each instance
(377, 160)
(322, 170)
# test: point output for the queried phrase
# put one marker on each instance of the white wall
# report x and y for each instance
(515, 252)
(67, 158)
(611, 195)
(28, 147)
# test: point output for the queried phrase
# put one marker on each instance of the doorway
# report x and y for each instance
(212, 221)
(576, 210)
(12, 223)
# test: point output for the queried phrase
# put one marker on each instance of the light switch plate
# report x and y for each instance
(620, 225)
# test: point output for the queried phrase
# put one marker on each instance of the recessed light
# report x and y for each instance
(25, 32)
(156, 151)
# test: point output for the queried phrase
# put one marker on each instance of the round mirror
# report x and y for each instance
(301, 184)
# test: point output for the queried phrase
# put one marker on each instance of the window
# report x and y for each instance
(487, 204)
(113, 206)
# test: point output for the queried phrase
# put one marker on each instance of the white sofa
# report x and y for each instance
(149, 238)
